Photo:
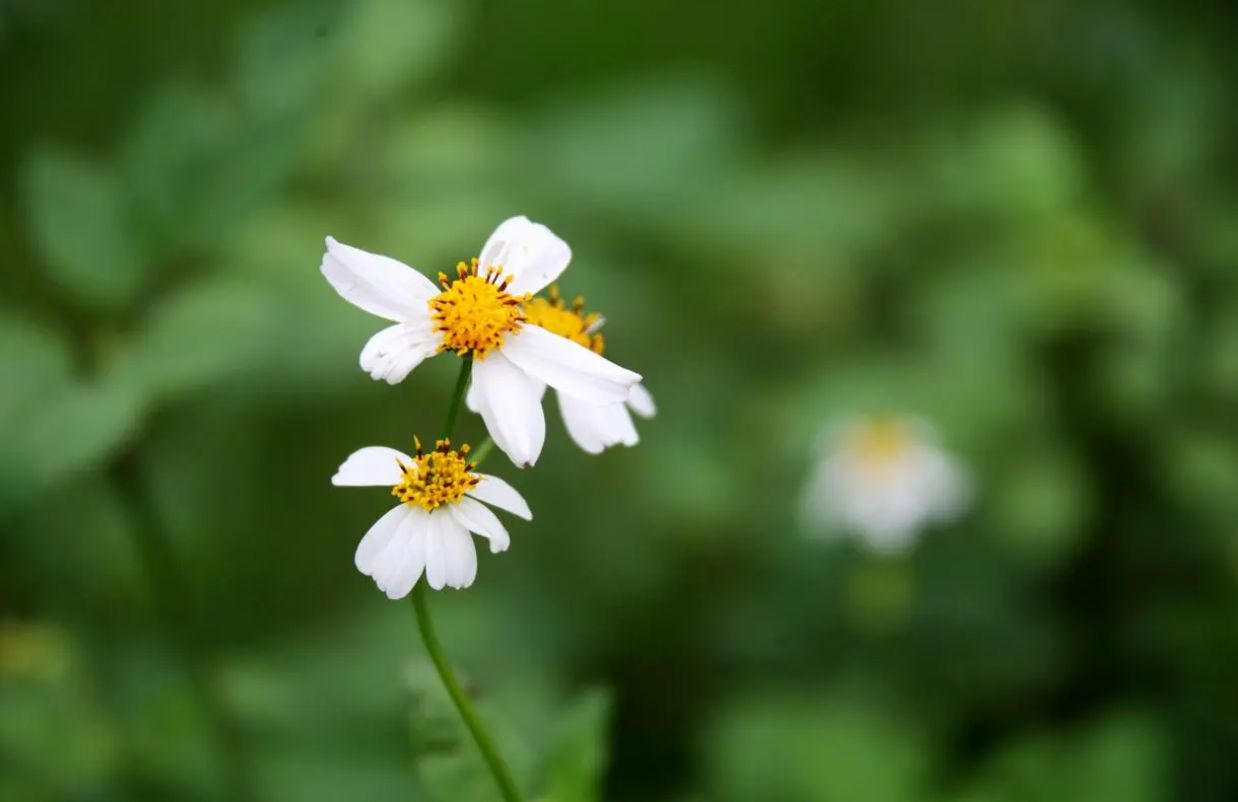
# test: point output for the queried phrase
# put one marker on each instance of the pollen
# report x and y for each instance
(570, 321)
(474, 312)
(437, 477)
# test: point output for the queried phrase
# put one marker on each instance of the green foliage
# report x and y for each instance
(1014, 221)
(79, 224)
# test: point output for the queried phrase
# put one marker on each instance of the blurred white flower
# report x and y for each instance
(440, 503)
(479, 313)
(883, 479)
(594, 427)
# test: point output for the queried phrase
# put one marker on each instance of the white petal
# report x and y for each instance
(398, 566)
(581, 424)
(568, 366)
(528, 251)
(372, 465)
(595, 427)
(378, 284)
(378, 538)
(472, 399)
(446, 560)
(641, 401)
(498, 493)
(412, 560)
(460, 550)
(391, 354)
(511, 406)
(477, 517)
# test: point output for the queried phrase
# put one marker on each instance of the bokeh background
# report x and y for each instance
(1018, 221)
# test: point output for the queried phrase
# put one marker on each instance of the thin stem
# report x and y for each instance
(421, 609)
(489, 750)
(479, 454)
(457, 396)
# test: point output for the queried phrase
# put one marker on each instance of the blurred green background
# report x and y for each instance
(1017, 220)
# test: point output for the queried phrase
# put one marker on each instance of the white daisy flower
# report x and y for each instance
(440, 503)
(884, 479)
(594, 427)
(479, 313)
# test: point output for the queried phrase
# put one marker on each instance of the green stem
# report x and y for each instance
(479, 454)
(457, 396)
(421, 608)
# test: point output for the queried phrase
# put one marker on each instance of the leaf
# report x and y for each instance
(576, 754)
(78, 224)
(209, 332)
(195, 166)
(69, 433)
(769, 747)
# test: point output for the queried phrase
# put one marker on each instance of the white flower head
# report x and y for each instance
(884, 479)
(440, 497)
(479, 312)
(595, 427)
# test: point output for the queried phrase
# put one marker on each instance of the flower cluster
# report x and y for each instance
(519, 343)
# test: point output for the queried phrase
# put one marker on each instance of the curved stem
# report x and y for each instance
(421, 609)
(489, 751)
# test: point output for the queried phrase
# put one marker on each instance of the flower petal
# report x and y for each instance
(529, 252)
(378, 538)
(378, 284)
(477, 517)
(400, 564)
(568, 366)
(498, 493)
(391, 354)
(511, 406)
(370, 466)
(436, 552)
(460, 550)
(641, 401)
(413, 560)
(596, 427)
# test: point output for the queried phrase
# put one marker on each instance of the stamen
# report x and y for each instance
(571, 322)
(475, 312)
(440, 477)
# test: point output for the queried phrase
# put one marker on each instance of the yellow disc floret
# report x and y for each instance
(880, 444)
(440, 477)
(475, 311)
(571, 322)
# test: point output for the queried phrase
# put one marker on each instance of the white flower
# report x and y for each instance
(479, 312)
(595, 427)
(440, 503)
(884, 479)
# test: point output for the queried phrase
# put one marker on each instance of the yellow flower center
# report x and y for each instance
(571, 322)
(440, 477)
(880, 444)
(475, 311)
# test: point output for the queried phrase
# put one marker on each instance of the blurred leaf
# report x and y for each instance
(386, 45)
(53, 733)
(70, 432)
(196, 166)
(575, 758)
(77, 219)
(34, 363)
(210, 331)
(767, 748)
(1120, 759)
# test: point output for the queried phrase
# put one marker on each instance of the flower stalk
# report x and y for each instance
(421, 610)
